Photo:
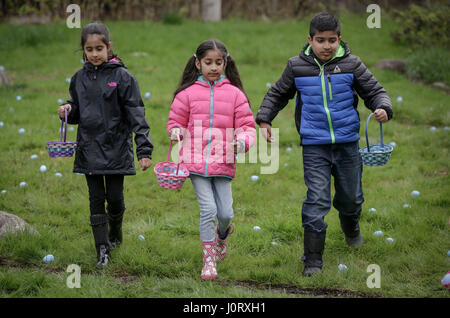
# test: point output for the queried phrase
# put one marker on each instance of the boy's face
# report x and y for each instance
(324, 44)
(96, 51)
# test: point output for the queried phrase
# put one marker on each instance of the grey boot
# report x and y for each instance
(100, 230)
(350, 227)
(314, 244)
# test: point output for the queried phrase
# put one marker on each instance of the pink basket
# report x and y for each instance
(171, 175)
(61, 148)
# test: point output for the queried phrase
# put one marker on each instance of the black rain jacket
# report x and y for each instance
(108, 108)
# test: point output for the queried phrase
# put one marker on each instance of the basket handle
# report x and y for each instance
(367, 137)
(170, 149)
(65, 128)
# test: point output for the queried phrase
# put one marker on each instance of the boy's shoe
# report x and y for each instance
(314, 244)
(103, 256)
(222, 243)
(356, 241)
(209, 270)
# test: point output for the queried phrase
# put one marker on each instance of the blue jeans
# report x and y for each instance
(344, 163)
(215, 199)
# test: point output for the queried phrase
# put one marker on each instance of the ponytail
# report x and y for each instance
(191, 72)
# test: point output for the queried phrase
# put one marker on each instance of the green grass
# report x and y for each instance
(168, 262)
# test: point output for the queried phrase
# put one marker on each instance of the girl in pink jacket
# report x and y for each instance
(211, 114)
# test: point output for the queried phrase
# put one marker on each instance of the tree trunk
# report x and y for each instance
(211, 10)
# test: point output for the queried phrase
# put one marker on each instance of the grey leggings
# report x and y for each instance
(215, 199)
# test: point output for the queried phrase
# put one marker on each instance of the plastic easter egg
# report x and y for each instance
(415, 193)
(33, 156)
(18, 97)
(4, 191)
(254, 178)
(288, 149)
(147, 95)
(21, 131)
(372, 210)
(1, 124)
(68, 79)
(268, 85)
(48, 258)
(378, 233)
(393, 144)
(43, 168)
(256, 228)
(22, 184)
(433, 128)
(141, 238)
(390, 240)
(406, 205)
(274, 243)
(399, 99)
(342, 267)
(59, 175)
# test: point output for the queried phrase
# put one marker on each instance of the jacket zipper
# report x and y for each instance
(91, 153)
(329, 87)
(211, 107)
(324, 96)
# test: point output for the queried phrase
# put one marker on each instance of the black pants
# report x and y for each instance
(107, 188)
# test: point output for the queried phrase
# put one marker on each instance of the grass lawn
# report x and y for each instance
(263, 263)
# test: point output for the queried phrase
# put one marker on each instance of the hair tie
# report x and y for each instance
(195, 55)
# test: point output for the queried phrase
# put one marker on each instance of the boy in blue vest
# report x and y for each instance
(326, 79)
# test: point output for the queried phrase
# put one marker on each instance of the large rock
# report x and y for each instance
(4, 78)
(10, 223)
(392, 64)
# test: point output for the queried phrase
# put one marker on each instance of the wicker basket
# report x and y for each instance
(378, 154)
(61, 148)
(171, 175)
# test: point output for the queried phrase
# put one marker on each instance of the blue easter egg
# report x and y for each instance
(48, 258)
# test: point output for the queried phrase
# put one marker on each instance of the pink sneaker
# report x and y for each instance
(222, 244)
(209, 270)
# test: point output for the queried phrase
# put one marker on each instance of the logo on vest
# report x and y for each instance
(337, 69)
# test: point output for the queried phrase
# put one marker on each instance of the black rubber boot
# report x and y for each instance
(100, 230)
(115, 229)
(350, 227)
(314, 244)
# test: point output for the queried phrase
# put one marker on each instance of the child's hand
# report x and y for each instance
(380, 115)
(61, 110)
(145, 163)
(238, 146)
(266, 131)
(175, 133)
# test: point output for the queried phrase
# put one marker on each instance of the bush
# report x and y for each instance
(423, 26)
(430, 65)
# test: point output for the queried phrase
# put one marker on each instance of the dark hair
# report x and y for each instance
(191, 72)
(99, 29)
(324, 21)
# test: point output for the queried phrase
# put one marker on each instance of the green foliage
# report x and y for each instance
(173, 18)
(423, 26)
(430, 64)
(16, 36)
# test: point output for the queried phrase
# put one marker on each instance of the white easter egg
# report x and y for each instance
(43, 168)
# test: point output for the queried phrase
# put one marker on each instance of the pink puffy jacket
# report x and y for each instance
(211, 116)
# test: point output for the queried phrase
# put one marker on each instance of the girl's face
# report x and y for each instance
(96, 50)
(212, 65)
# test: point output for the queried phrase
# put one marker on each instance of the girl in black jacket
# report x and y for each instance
(107, 106)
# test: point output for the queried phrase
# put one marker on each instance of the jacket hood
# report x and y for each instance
(308, 54)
